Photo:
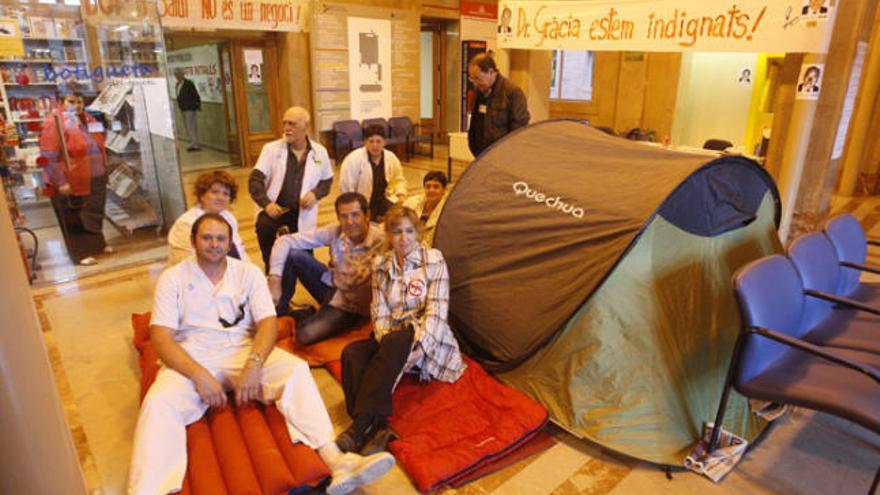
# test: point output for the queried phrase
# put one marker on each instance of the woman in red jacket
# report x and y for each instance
(77, 186)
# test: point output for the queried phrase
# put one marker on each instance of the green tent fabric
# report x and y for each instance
(640, 367)
(593, 273)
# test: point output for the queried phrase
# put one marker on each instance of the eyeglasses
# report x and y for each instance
(238, 319)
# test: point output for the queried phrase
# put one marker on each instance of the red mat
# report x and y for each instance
(452, 434)
(236, 451)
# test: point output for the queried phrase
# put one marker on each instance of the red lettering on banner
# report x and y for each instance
(247, 10)
(227, 8)
(611, 27)
(556, 29)
(209, 9)
(174, 8)
(733, 24)
(522, 24)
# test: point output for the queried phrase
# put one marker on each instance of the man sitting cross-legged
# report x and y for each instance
(214, 328)
(343, 288)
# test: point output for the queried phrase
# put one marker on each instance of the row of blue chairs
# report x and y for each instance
(811, 329)
(349, 134)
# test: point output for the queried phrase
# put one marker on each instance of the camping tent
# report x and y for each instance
(594, 273)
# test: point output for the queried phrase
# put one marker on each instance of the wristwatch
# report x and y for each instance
(255, 357)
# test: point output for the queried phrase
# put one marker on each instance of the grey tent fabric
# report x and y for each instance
(539, 220)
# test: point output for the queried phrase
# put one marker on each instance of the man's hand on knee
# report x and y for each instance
(210, 389)
(275, 288)
(247, 384)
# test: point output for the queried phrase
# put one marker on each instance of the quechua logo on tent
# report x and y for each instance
(522, 188)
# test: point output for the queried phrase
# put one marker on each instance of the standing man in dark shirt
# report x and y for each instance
(292, 174)
(189, 102)
(499, 106)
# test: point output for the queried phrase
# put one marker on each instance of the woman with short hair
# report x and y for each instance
(214, 191)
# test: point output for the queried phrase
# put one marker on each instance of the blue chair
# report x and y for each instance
(829, 319)
(851, 244)
(414, 134)
(347, 135)
(771, 362)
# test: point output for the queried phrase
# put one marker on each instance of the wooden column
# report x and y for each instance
(862, 134)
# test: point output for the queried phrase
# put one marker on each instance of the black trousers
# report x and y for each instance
(369, 370)
(81, 220)
(327, 322)
(267, 227)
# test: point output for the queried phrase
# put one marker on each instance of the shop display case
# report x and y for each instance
(54, 46)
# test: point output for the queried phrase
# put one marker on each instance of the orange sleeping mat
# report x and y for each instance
(237, 450)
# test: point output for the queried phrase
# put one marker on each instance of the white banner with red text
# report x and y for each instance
(255, 15)
(668, 25)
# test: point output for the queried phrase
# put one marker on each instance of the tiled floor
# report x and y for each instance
(87, 332)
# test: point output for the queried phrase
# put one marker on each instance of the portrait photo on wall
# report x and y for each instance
(815, 9)
(810, 81)
(504, 27)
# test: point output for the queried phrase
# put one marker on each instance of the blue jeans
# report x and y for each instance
(328, 321)
(302, 266)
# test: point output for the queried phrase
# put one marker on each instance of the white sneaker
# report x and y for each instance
(351, 471)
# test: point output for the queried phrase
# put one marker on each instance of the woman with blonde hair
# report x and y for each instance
(410, 332)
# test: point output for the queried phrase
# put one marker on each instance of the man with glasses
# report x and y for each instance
(499, 106)
(214, 329)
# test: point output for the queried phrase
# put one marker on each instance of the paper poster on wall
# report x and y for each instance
(849, 101)
(810, 81)
(369, 67)
(10, 38)
(745, 76)
(159, 117)
(505, 27)
(253, 63)
(668, 25)
(201, 65)
(815, 9)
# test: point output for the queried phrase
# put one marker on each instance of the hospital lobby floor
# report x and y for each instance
(87, 332)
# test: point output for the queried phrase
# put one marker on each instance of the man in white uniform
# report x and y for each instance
(374, 172)
(214, 328)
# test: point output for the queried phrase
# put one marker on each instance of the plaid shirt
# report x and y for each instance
(417, 294)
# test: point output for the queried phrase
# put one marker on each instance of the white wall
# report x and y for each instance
(711, 103)
(38, 455)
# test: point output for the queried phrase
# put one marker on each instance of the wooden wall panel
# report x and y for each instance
(631, 90)
(660, 92)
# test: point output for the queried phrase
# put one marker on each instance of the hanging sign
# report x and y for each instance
(668, 25)
(256, 15)
(10, 38)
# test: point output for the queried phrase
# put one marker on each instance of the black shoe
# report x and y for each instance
(357, 435)
(301, 314)
(379, 442)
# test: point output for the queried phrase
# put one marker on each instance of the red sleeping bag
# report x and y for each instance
(237, 451)
(452, 433)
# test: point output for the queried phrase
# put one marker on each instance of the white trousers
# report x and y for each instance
(159, 460)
